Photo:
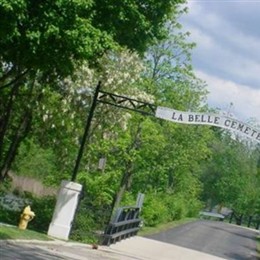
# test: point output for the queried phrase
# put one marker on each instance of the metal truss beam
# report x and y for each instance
(126, 103)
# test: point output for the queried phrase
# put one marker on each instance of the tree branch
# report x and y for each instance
(14, 81)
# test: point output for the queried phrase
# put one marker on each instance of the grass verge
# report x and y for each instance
(145, 231)
(12, 232)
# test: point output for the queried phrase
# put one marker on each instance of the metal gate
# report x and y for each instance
(126, 223)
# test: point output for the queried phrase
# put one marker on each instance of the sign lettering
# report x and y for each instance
(208, 119)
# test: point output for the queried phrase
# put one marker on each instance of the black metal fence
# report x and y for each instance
(126, 223)
(249, 221)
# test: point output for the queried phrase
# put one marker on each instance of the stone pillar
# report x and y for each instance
(65, 208)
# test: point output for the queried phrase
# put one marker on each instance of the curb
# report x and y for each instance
(44, 242)
(53, 247)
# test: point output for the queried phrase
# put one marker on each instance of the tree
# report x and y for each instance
(164, 157)
(230, 177)
(44, 41)
(135, 24)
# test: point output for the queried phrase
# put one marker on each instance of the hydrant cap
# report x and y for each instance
(27, 210)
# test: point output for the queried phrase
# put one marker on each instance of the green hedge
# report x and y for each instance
(161, 208)
(42, 207)
(9, 217)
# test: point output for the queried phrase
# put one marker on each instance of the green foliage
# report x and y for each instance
(52, 35)
(83, 229)
(35, 161)
(194, 206)
(154, 210)
(94, 210)
(147, 17)
(230, 178)
(9, 232)
(42, 42)
(49, 35)
(166, 207)
(5, 187)
(90, 220)
(177, 206)
(181, 206)
(178, 167)
(43, 209)
(98, 188)
(129, 199)
(8, 216)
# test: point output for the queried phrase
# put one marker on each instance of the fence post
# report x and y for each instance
(231, 217)
(140, 200)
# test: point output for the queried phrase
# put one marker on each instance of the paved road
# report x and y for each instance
(135, 248)
(14, 250)
(202, 240)
(212, 237)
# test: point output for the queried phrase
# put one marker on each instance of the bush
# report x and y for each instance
(9, 216)
(154, 210)
(181, 207)
(162, 208)
(83, 226)
(37, 162)
(89, 222)
(194, 208)
(43, 209)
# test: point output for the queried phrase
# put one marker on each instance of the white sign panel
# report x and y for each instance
(207, 119)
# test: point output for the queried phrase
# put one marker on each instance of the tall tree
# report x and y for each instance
(230, 177)
(45, 41)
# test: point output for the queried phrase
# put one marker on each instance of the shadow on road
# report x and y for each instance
(239, 257)
(10, 251)
(214, 238)
(234, 232)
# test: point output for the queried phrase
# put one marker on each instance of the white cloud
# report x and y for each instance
(246, 101)
(227, 55)
(203, 40)
(222, 47)
(227, 60)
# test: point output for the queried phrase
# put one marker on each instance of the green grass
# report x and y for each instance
(162, 227)
(12, 232)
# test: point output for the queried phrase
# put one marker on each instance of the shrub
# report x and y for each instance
(89, 222)
(194, 208)
(9, 216)
(176, 206)
(37, 162)
(154, 210)
(43, 209)
(82, 229)
(164, 207)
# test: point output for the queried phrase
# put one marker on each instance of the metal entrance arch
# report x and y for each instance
(113, 100)
(118, 229)
(163, 113)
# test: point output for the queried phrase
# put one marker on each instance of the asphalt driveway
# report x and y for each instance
(214, 238)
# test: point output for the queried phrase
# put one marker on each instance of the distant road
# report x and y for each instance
(213, 237)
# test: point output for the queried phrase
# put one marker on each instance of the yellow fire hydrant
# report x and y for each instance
(26, 216)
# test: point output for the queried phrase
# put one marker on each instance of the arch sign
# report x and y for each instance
(208, 119)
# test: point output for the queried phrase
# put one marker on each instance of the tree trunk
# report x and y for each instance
(5, 117)
(21, 130)
(125, 183)
(128, 174)
(20, 134)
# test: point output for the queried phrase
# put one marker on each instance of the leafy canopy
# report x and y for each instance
(52, 35)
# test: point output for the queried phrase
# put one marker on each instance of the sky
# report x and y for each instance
(227, 55)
